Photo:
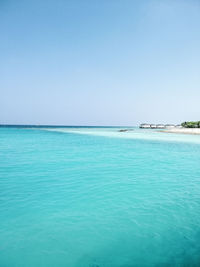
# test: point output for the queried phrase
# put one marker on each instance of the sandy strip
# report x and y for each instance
(183, 131)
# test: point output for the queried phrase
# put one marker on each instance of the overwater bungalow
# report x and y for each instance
(145, 126)
(179, 126)
(160, 126)
(170, 126)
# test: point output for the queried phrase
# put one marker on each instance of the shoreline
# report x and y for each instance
(193, 131)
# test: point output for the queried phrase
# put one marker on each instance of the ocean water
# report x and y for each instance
(97, 197)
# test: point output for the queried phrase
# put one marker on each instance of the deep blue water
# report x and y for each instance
(97, 197)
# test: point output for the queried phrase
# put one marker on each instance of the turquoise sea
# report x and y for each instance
(97, 197)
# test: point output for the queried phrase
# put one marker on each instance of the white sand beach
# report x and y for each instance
(183, 130)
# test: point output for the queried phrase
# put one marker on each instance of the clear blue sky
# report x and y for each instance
(99, 62)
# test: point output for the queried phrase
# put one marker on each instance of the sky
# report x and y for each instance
(99, 62)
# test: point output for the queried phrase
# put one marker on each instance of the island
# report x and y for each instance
(187, 127)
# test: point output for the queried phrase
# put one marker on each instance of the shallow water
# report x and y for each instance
(97, 197)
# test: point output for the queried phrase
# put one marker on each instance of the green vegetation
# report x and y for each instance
(191, 124)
